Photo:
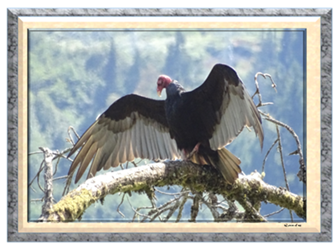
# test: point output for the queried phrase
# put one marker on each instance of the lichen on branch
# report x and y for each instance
(186, 174)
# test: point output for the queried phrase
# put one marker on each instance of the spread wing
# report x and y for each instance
(132, 127)
(232, 107)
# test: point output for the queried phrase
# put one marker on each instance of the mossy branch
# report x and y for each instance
(183, 173)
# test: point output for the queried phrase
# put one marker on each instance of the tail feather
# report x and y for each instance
(223, 160)
(227, 164)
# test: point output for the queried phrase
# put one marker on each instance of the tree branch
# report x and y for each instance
(186, 174)
(302, 172)
(48, 185)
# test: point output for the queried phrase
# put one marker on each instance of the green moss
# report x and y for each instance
(72, 206)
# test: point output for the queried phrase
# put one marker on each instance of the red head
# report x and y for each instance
(163, 82)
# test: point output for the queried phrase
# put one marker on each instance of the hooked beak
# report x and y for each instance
(158, 91)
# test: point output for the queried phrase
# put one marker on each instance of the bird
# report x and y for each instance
(192, 125)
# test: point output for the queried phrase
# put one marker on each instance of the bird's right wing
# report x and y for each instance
(132, 127)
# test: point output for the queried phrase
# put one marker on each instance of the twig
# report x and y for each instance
(257, 86)
(58, 160)
(122, 200)
(159, 212)
(137, 210)
(195, 207)
(61, 154)
(48, 186)
(302, 172)
(69, 134)
(41, 168)
(58, 178)
(281, 157)
(283, 164)
(164, 205)
(56, 155)
(139, 214)
(250, 211)
(32, 188)
(32, 153)
(231, 212)
(67, 184)
(155, 207)
(177, 193)
(212, 209)
(172, 210)
(269, 150)
(38, 176)
(182, 203)
(276, 212)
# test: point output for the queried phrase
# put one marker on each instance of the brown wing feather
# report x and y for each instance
(133, 126)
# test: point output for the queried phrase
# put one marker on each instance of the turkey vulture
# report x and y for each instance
(195, 125)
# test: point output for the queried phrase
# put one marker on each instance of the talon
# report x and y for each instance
(184, 155)
(195, 150)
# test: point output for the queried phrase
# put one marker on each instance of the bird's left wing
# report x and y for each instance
(132, 127)
(231, 105)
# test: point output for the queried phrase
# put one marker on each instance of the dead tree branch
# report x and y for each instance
(302, 172)
(260, 104)
(183, 173)
(48, 185)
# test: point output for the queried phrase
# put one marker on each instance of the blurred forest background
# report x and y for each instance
(75, 75)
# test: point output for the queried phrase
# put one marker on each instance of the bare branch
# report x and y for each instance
(32, 153)
(182, 203)
(283, 165)
(58, 178)
(257, 88)
(165, 207)
(177, 193)
(137, 213)
(58, 160)
(276, 212)
(41, 168)
(251, 213)
(172, 210)
(203, 178)
(269, 150)
(302, 172)
(212, 209)
(48, 186)
(232, 212)
(281, 157)
(195, 207)
(69, 134)
(122, 200)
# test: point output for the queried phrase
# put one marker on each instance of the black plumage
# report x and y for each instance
(195, 125)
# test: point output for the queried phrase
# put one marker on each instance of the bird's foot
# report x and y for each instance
(184, 155)
(195, 150)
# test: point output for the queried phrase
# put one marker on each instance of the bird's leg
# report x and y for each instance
(184, 154)
(195, 150)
